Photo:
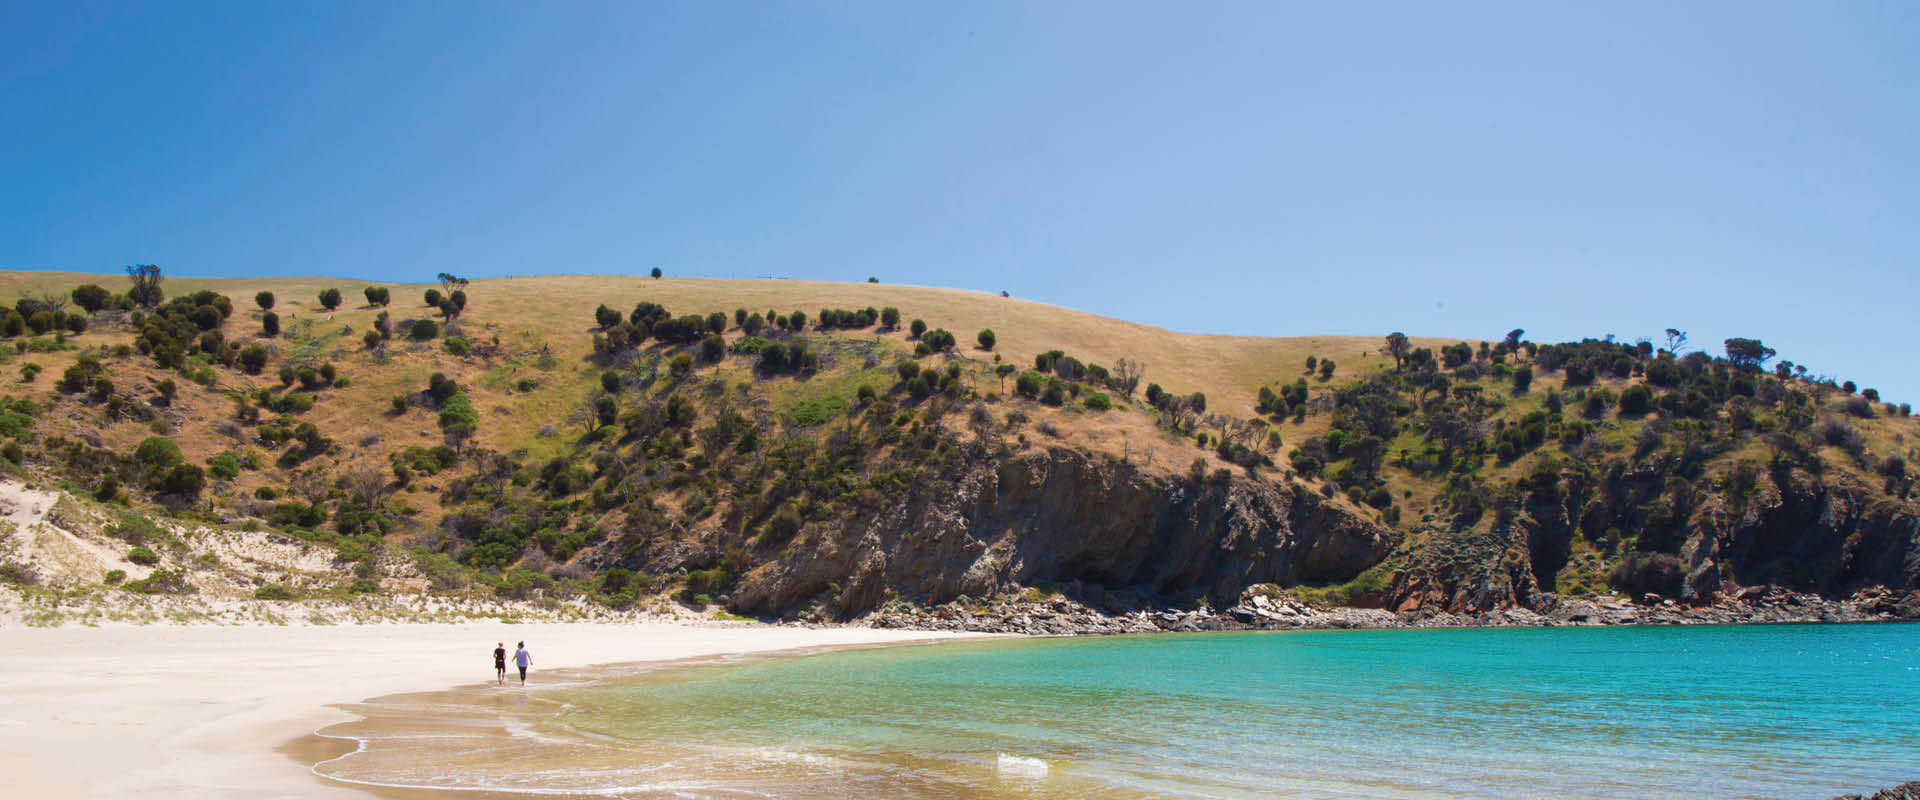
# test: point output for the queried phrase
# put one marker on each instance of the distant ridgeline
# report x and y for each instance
(834, 463)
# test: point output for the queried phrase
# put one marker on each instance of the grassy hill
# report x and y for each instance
(614, 460)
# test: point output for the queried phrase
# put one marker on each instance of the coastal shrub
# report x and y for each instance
(423, 329)
(264, 300)
(986, 338)
(1099, 401)
(273, 591)
(143, 556)
(157, 451)
(1635, 400)
(162, 581)
(330, 299)
(92, 297)
(456, 346)
(916, 328)
(184, 479)
(270, 325)
(18, 574)
(224, 467)
(114, 577)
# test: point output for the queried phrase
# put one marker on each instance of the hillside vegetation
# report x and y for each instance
(824, 449)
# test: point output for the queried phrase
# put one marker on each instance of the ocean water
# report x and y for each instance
(1754, 711)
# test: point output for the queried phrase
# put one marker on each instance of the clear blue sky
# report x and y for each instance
(1731, 169)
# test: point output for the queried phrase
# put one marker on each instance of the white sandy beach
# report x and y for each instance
(200, 712)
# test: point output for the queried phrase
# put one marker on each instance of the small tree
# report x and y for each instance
(459, 299)
(424, 329)
(1748, 352)
(264, 300)
(433, 297)
(376, 296)
(1398, 346)
(986, 338)
(916, 328)
(330, 299)
(146, 285)
(1127, 374)
(890, 318)
(1326, 369)
(1676, 339)
(656, 273)
(270, 324)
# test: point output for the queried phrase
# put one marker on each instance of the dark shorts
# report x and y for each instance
(499, 666)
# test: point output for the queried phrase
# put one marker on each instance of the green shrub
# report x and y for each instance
(184, 479)
(330, 299)
(423, 329)
(273, 591)
(1099, 401)
(986, 338)
(816, 410)
(143, 556)
(1636, 399)
(223, 467)
(456, 346)
(158, 452)
(114, 577)
(363, 586)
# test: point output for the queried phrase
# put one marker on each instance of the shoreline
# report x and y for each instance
(238, 711)
(210, 712)
(329, 744)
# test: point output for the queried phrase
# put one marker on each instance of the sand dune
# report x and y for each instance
(202, 712)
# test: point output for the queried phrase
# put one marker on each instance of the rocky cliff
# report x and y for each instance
(1062, 516)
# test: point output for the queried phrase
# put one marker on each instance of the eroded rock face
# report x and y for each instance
(1792, 532)
(1063, 516)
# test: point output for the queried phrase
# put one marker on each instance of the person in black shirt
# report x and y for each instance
(500, 662)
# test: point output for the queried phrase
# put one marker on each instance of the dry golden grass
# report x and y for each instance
(554, 314)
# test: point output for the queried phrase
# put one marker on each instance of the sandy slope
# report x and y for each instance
(199, 712)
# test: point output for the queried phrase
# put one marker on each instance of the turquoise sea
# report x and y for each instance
(1795, 711)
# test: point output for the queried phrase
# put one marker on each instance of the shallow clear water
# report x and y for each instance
(1754, 711)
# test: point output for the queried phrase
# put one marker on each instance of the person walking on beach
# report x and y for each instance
(500, 662)
(522, 659)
